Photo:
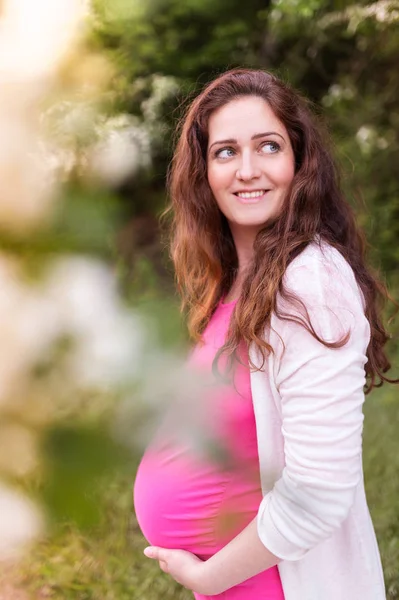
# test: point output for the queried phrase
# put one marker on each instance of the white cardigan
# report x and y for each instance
(308, 406)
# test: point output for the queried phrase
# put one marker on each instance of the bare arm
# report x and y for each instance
(244, 557)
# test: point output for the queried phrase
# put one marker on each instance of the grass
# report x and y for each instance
(106, 562)
(381, 467)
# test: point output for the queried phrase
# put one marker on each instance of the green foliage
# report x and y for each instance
(342, 55)
(84, 221)
(76, 456)
(188, 40)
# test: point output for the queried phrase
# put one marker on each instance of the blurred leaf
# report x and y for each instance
(76, 457)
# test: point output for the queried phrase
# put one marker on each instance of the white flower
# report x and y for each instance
(115, 158)
(20, 522)
(25, 189)
(78, 300)
(163, 87)
(173, 399)
(366, 137)
(28, 326)
(107, 336)
(122, 150)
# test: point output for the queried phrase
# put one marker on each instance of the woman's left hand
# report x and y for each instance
(186, 568)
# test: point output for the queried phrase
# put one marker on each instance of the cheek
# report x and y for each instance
(290, 169)
(284, 174)
(289, 177)
(218, 179)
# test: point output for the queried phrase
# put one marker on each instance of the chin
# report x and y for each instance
(259, 223)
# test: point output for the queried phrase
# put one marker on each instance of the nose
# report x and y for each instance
(248, 168)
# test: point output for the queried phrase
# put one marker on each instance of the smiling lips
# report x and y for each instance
(251, 196)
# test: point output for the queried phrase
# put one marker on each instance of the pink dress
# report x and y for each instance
(186, 499)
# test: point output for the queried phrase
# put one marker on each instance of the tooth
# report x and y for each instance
(256, 194)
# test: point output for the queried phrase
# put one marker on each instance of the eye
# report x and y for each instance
(270, 147)
(224, 153)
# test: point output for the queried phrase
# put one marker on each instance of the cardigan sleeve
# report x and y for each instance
(321, 394)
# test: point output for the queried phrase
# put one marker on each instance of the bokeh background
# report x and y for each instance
(91, 93)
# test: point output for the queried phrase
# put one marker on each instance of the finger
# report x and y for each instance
(164, 566)
(154, 552)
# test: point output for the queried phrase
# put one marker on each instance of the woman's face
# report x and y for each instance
(250, 162)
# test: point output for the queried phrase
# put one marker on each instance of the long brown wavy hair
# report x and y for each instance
(202, 246)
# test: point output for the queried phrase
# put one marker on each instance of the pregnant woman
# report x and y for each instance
(286, 319)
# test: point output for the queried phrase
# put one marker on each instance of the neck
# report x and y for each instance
(244, 243)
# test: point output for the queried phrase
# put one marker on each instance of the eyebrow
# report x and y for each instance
(254, 137)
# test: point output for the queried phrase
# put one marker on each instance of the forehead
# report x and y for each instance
(243, 117)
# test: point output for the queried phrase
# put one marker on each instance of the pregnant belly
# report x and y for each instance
(191, 504)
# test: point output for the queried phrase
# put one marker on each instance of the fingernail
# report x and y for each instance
(148, 551)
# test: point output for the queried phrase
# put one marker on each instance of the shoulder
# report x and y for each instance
(319, 256)
(320, 271)
(321, 291)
